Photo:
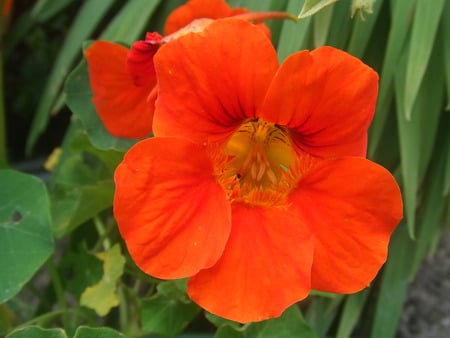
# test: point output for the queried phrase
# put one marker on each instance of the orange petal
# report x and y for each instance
(327, 97)
(120, 103)
(173, 216)
(351, 206)
(140, 59)
(196, 9)
(210, 82)
(264, 269)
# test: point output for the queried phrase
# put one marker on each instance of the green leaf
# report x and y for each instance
(97, 332)
(311, 7)
(79, 100)
(102, 296)
(434, 202)
(82, 183)
(293, 35)
(25, 230)
(446, 184)
(81, 332)
(424, 28)
(130, 22)
(37, 332)
(219, 321)
(394, 284)
(340, 27)
(417, 134)
(88, 17)
(254, 5)
(445, 29)
(322, 311)
(401, 15)
(82, 269)
(321, 25)
(351, 313)
(290, 324)
(169, 311)
(43, 10)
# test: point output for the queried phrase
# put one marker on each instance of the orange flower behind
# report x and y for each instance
(123, 83)
(256, 185)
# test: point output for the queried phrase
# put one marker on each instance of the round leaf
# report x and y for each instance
(37, 332)
(25, 230)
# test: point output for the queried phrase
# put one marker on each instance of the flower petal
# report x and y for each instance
(327, 98)
(351, 206)
(174, 217)
(210, 82)
(265, 267)
(120, 103)
(196, 9)
(140, 59)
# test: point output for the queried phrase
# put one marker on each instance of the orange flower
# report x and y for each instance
(255, 185)
(7, 5)
(123, 81)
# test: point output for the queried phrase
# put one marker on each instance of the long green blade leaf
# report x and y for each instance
(293, 36)
(129, 24)
(85, 22)
(426, 20)
(418, 133)
(401, 13)
(362, 30)
(394, 284)
(311, 7)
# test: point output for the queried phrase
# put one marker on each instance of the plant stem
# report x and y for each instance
(56, 280)
(103, 233)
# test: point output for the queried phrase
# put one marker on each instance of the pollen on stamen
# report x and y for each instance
(257, 165)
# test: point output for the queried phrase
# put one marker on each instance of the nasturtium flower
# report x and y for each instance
(256, 186)
(196, 9)
(123, 80)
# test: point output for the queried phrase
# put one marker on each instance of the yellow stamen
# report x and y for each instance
(258, 164)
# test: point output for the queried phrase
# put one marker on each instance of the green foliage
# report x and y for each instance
(82, 332)
(82, 183)
(90, 281)
(169, 311)
(289, 324)
(311, 7)
(85, 22)
(25, 230)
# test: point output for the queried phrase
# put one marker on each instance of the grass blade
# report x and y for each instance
(401, 12)
(424, 28)
(85, 22)
(293, 35)
(394, 285)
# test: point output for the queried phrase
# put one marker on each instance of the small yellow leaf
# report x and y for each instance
(102, 296)
(53, 159)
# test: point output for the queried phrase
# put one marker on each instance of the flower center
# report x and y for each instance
(258, 165)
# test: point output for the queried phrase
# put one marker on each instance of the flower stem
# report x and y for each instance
(102, 231)
(56, 280)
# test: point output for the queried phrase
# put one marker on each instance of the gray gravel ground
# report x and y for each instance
(426, 313)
